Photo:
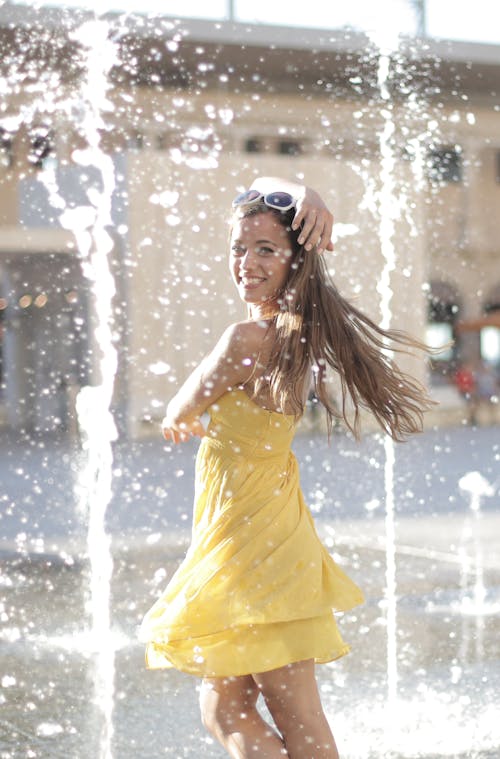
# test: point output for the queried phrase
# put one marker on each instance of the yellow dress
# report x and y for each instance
(257, 589)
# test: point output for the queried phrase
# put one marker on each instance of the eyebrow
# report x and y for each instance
(268, 241)
(258, 242)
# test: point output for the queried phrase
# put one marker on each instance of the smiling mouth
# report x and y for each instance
(250, 282)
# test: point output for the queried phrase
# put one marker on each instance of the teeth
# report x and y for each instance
(251, 280)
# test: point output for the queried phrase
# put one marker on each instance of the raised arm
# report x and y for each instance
(229, 364)
(311, 211)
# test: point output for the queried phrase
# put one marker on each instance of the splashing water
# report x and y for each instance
(435, 725)
(389, 725)
(89, 225)
(387, 206)
(473, 602)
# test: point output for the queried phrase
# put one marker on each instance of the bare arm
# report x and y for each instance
(229, 364)
(311, 211)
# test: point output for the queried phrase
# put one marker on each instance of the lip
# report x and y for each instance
(251, 285)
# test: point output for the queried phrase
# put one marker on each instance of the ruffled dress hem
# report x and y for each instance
(251, 649)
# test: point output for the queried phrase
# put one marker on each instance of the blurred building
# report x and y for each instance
(194, 110)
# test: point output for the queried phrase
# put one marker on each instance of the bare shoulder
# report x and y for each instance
(246, 337)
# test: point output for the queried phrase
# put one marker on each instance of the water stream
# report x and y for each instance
(93, 405)
(387, 208)
(473, 604)
(90, 225)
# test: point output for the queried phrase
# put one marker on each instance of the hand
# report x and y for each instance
(180, 433)
(316, 221)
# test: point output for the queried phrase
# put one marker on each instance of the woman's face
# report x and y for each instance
(260, 260)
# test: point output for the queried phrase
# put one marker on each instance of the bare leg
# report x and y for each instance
(228, 710)
(292, 697)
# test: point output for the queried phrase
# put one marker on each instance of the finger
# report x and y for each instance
(326, 237)
(315, 237)
(307, 227)
(319, 236)
(299, 217)
(323, 242)
(323, 228)
(169, 435)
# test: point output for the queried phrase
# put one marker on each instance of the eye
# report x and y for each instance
(238, 250)
(264, 250)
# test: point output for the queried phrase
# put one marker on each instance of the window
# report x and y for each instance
(254, 145)
(490, 345)
(445, 165)
(440, 335)
(443, 307)
(266, 144)
(42, 147)
(289, 147)
(6, 156)
(489, 335)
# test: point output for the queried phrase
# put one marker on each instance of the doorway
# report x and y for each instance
(44, 340)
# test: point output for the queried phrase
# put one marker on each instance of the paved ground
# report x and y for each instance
(448, 599)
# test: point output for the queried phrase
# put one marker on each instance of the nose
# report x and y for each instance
(247, 262)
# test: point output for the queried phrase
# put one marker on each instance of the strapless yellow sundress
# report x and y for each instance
(257, 589)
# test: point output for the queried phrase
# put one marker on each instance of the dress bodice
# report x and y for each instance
(240, 425)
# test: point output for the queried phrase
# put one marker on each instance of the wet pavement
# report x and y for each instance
(447, 585)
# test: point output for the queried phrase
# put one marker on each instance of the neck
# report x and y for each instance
(262, 311)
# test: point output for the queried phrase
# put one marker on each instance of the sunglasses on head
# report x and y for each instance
(281, 201)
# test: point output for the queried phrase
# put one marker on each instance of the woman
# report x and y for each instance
(251, 607)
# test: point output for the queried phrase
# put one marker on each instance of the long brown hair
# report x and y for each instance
(316, 327)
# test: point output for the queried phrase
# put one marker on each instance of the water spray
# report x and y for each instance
(94, 403)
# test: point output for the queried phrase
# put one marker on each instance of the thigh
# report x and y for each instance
(292, 688)
(292, 696)
(229, 693)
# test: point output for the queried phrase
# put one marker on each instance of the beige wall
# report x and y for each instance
(179, 297)
(462, 227)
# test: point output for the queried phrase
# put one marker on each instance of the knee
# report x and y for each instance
(209, 709)
(305, 730)
(294, 716)
(220, 712)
